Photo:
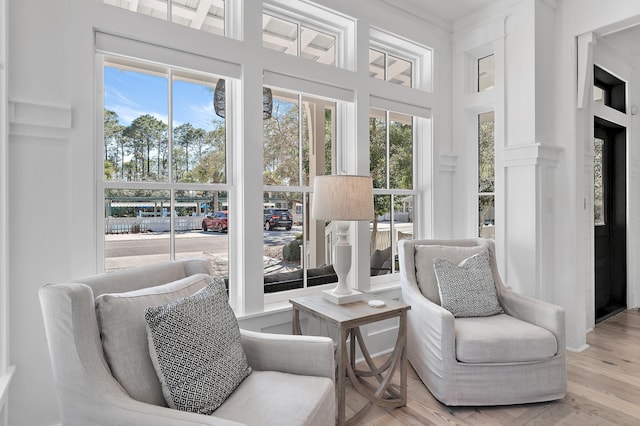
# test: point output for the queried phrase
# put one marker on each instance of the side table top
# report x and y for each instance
(357, 312)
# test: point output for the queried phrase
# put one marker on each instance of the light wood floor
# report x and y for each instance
(603, 389)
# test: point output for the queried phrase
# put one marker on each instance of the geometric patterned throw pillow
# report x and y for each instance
(194, 343)
(468, 289)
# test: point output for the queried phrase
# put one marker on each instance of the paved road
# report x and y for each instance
(194, 241)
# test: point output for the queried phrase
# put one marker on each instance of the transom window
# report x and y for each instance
(205, 15)
(295, 39)
(387, 67)
(486, 73)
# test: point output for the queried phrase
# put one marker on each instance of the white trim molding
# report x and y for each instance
(532, 154)
(448, 163)
(37, 119)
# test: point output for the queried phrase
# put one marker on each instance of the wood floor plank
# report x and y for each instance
(603, 389)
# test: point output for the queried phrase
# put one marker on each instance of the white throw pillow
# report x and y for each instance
(124, 337)
(468, 289)
(196, 349)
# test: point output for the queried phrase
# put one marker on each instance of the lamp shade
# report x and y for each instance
(342, 197)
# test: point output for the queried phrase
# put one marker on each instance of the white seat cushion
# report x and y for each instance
(502, 338)
(267, 398)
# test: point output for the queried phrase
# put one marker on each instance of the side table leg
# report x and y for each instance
(295, 322)
(341, 375)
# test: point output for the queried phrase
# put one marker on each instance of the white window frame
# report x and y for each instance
(6, 371)
(320, 19)
(113, 46)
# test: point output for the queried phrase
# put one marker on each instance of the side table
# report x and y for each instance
(348, 318)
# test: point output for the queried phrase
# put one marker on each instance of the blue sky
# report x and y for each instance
(132, 94)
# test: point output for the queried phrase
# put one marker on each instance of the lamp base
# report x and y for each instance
(341, 299)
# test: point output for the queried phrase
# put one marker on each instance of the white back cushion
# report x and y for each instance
(124, 337)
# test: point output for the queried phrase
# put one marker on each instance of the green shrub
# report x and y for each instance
(291, 252)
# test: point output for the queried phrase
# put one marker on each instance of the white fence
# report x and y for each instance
(133, 225)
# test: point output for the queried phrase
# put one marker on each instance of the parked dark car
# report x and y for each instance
(277, 218)
(216, 221)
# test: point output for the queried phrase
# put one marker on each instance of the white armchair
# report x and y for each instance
(511, 358)
(292, 380)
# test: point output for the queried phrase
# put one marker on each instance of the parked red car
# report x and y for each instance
(216, 221)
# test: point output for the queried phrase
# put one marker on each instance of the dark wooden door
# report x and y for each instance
(610, 219)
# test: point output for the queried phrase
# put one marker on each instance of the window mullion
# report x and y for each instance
(172, 207)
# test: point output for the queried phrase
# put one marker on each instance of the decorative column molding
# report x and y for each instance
(585, 67)
(36, 119)
(532, 155)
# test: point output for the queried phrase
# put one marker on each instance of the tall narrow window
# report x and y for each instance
(391, 153)
(165, 174)
(298, 145)
(486, 175)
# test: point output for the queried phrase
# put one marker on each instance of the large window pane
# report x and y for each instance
(199, 138)
(400, 151)
(136, 227)
(295, 255)
(167, 220)
(282, 142)
(135, 116)
(318, 138)
(378, 154)
(202, 228)
(393, 222)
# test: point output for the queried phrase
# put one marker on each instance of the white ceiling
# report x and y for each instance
(627, 41)
(450, 10)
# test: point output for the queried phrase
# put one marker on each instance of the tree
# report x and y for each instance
(486, 171)
(147, 134)
(212, 156)
(114, 143)
(281, 146)
(397, 153)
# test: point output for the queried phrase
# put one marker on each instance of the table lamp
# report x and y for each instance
(342, 198)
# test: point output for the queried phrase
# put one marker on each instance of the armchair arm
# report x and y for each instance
(542, 314)
(434, 324)
(303, 355)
